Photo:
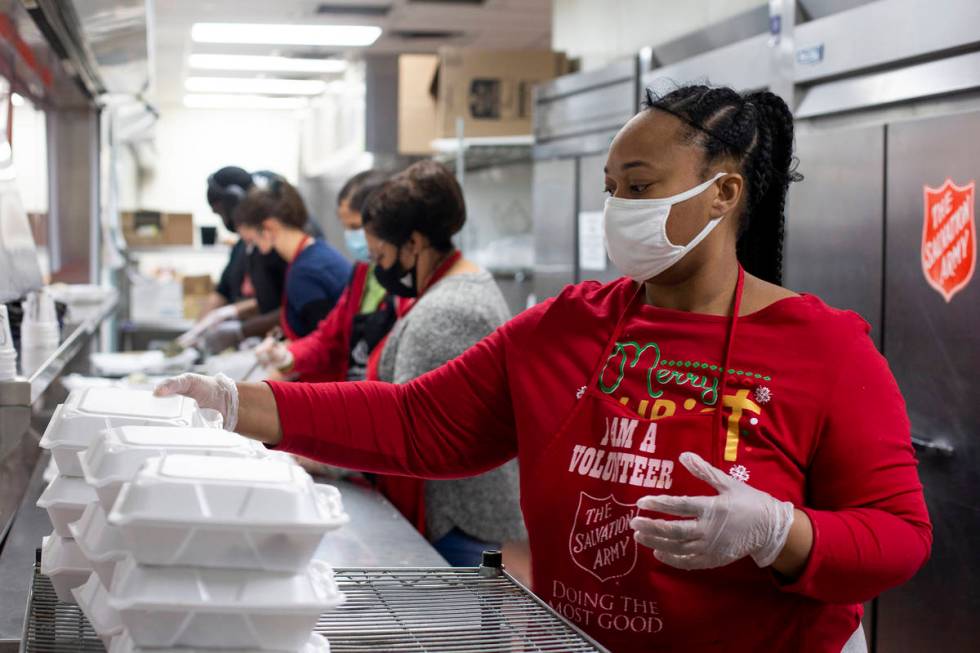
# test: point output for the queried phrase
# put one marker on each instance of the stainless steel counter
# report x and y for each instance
(377, 536)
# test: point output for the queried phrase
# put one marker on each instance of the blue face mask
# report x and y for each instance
(357, 244)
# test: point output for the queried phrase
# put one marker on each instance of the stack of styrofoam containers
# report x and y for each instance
(199, 538)
(40, 333)
(73, 427)
(213, 552)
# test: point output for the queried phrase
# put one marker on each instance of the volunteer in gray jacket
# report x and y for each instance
(409, 224)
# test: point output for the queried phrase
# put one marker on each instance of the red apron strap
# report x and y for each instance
(727, 360)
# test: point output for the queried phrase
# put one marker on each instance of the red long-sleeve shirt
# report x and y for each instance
(823, 402)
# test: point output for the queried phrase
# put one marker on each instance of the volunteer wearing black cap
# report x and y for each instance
(247, 299)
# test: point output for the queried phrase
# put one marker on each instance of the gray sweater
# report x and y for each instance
(452, 316)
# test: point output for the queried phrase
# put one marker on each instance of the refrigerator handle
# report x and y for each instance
(934, 447)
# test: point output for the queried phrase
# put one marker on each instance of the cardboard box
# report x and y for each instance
(491, 90)
(416, 103)
(196, 290)
(155, 228)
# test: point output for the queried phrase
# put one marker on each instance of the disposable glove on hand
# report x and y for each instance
(215, 392)
(737, 522)
(217, 316)
(274, 354)
(222, 336)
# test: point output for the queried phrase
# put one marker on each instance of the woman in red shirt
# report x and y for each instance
(709, 462)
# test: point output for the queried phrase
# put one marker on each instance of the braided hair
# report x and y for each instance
(756, 131)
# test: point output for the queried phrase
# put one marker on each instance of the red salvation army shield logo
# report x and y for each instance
(949, 237)
(601, 541)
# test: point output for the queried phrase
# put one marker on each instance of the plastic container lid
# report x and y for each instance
(191, 589)
(100, 542)
(223, 492)
(117, 454)
(65, 500)
(87, 412)
(124, 644)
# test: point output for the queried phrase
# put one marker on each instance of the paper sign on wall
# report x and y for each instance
(949, 237)
(591, 243)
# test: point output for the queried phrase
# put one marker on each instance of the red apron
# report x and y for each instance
(283, 322)
(407, 493)
(579, 494)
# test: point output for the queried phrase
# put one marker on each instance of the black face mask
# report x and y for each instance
(397, 280)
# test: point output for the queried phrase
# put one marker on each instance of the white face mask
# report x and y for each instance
(636, 233)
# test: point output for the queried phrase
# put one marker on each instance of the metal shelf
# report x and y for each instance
(423, 610)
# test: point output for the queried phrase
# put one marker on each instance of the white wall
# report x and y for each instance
(600, 31)
(189, 145)
(193, 143)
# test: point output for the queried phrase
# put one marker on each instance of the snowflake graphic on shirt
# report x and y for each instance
(739, 473)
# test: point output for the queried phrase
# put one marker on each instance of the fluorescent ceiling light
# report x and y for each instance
(219, 101)
(262, 34)
(266, 64)
(255, 85)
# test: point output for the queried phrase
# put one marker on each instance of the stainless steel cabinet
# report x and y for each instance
(554, 225)
(591, 184)
(834, 225)
(932, 347)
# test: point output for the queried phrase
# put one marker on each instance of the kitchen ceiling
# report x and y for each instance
(408, 26)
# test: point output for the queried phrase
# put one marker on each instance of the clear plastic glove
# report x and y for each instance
(217, 316)
(739, 521)
(274, 354)
(222, 336)
(215, 392)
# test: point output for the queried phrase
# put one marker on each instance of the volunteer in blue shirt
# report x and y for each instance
(272, 216)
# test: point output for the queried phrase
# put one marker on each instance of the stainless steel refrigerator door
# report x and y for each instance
(553, 197)
(591, 186)
(933, 348)
(834, 225)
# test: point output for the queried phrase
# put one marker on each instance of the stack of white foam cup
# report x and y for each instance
(39, 332)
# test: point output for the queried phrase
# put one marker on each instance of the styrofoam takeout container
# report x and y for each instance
(124, 644)
(65, 500)
(86, 413)
(247, 513)
(165, 607)
(93, 599)
(117, 454)
(63, 562)
(100, 542)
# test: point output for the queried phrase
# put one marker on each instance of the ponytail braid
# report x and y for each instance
(756, 130)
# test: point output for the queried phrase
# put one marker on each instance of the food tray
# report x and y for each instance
(164, 607)
(65, 500)
(225, 512)
(86, 413)
(117, 454)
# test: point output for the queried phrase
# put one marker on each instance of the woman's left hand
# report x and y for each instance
(737, 522)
